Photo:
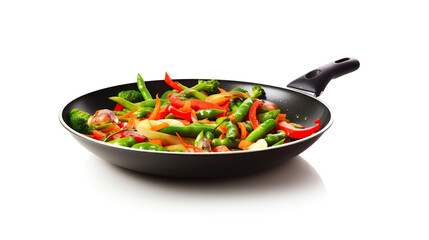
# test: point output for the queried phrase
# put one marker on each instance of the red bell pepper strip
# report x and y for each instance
(298, 133)
(252, 114)
(118, 107)
(164, 112)
(225, 109)
(122, 124)
(98, 134)
(137, 136)
(171, 83)
(189, 116)
(221, 148)
(195, 103)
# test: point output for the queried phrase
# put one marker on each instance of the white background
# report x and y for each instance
(366, 178)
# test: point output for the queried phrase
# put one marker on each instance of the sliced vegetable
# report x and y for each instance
(124, 142)
(222, 98)
(171, 83)
(155, 114)
(261, 130)
(252, 114)
(189, 146)
(298, 133)
(149, 146)
(243, 130)
(221, 148)
(244, 144)
(260, 144)
(142, 87)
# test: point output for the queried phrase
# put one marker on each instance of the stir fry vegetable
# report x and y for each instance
(200, 118)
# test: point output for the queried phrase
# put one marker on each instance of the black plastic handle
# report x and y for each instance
(316, 80)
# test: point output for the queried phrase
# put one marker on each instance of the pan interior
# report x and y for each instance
(299, 108)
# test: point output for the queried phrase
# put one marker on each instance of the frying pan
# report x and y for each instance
(299, 102)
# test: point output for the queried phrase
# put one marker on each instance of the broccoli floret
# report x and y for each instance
(79, 121)
(209, 86)
(239, 89)
(131, 96)
(257, 92)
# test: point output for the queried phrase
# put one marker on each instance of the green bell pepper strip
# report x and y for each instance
(262, 130)
(190, 131)
(267, 115)
(142, 87)
(134, 106)
(231, 130)
(208, 113)
(229, 143)
(279, 142)
(124, 142)
(164, 95)
(235, 104)
(199, 138)
(249, 127)
(220, 120)
(243, 110)
(149, 146)
(274, 138)
(189, 92)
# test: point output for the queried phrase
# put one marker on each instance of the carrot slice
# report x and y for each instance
(280, 116)
(244, 144)
(156, 141)
(159, 126)
(222, 129)
(188, 146)
(112, 128)
(156, 109)
(243, 130)
(128, 114)
(222, 90)
(186, 107)
(131, 122)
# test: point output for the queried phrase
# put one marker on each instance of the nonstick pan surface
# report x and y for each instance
(299, 108)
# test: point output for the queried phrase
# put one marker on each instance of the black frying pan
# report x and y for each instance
(298, 101)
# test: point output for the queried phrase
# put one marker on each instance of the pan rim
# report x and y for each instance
(86, 138)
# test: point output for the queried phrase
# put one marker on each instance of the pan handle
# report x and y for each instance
(315, 81)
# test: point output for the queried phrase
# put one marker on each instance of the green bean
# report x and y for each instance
(229, 143)
(208, 113)
(209, 135)
(190, 131)
(262, 130)
(149, 146)
(267, 115)
(124, 142)
(273, 138)
(142, 87)
(231, 130)
(243, 110)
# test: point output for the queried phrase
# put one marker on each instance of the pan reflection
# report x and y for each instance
(296, 177)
